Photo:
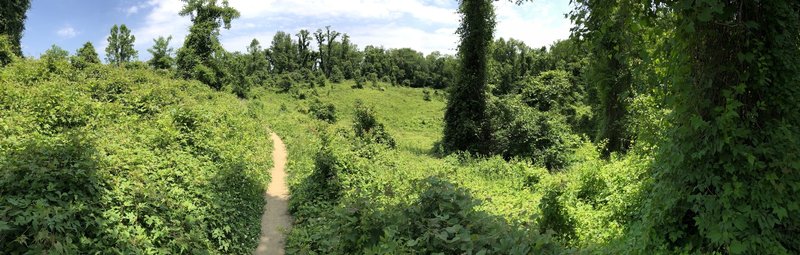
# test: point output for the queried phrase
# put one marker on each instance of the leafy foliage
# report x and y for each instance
(7, 54)
(162, 53)
(12, 22)
(198, 58)
(521, 131)
(85, 56)
(726, 179)
(125, 161)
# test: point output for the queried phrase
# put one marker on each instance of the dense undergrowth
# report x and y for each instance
(104, 160)
(349, 197)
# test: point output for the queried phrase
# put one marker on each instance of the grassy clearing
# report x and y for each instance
(377, 187)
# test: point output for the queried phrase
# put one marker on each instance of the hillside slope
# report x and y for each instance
(111, 160)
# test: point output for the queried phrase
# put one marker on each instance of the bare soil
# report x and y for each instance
(276, 219)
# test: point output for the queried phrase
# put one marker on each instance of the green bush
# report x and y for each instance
(426, 95)
(336, 74)
(553, 91)
(367, 127)
(6, 51)
(554, 214)
(320, 80)
(520, 131)
(359, 83)
(322, 111)
(285, 83)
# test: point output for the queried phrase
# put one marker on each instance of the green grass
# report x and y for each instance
(595, 200)
(156, 165)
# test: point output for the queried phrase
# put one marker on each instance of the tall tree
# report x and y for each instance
(606, 25)
(120, 45)
(162, 53)
(85, 56)
(257, 66)
(375, 61)
(197, 57)
(88, 53)
(304, 49)
(320, 37)
(349, 58)
(12, 21)
(466, 126)
(330, 37)
(283, 53)
(728, 179)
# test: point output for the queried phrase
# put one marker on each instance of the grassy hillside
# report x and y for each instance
(350, 195)
(113, 161)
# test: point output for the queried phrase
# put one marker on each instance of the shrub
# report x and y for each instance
(426, 95)
(320, 80)
(520, 131)
(6, 51)
(445, 220)
(554, 215)
(359, 83)
(367, 127)
(336, 74)
(322, 111)
(285, 83)
(553, 91)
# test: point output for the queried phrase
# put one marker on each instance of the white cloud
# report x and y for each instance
(67, 32)
(161, 20)
(424, 25)
(353, 9)
(537, 24)
(132, 10)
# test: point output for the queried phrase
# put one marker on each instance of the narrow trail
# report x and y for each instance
(275, 220)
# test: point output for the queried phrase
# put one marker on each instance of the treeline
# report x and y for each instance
(324, 54)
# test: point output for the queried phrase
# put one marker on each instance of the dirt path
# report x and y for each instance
(275, 219)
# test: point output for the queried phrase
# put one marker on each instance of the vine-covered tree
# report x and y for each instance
(197, 58)
(466, 126)
(12, 21)
(162, 53)
(728, 179)
(120, 46)
(606, 25)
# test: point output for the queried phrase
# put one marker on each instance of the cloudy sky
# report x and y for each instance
(424, 25)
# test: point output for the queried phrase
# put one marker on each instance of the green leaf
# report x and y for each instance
(780, 212)
(737, 247)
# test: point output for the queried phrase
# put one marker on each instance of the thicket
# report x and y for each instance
(342, 207)
(111, 160)
(367, 127)
(322, 111)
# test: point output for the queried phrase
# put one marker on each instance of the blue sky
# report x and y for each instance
(424, 25)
